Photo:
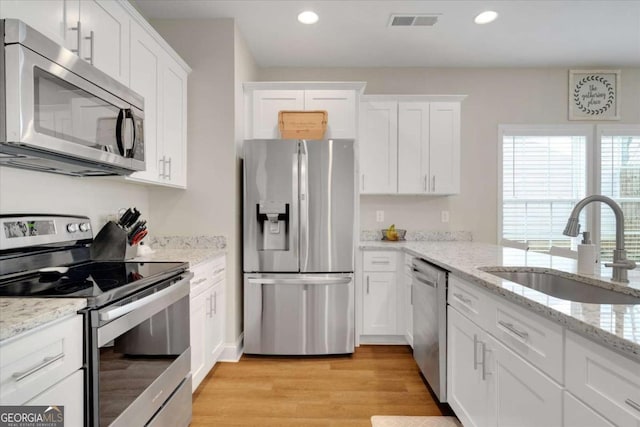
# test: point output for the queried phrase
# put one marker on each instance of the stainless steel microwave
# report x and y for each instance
(60, 114)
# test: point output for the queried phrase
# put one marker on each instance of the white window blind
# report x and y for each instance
(620, 180)
(543, 176)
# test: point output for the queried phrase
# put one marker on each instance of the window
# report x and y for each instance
(620, 180)
(543, 176)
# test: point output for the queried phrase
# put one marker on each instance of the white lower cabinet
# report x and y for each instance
(44, 367)
(490, 385)
(207, 317)
(577, 414)
(606, 381)
(379, 304)
(467, 391)
(407, 306)
(520, 395)
(508, 366)
(67, 393)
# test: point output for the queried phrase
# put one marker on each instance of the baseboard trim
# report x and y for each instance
(383, 339)
(232, 352)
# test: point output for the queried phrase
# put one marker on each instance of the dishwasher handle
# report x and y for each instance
(420, 277)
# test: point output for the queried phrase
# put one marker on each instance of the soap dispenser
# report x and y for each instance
(587, 257)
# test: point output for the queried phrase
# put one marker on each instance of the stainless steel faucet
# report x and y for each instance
(620, 262)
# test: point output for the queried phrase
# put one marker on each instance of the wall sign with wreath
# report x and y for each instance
(593, 95)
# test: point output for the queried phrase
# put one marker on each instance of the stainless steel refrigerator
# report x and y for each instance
(299, 204)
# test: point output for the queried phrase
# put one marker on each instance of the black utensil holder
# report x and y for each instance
(110, 244)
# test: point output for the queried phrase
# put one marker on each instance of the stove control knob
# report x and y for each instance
(85, 226)
(72, 228)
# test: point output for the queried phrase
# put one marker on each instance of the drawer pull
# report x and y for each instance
(220, 270)
(45, 362)
(380, 262)
(633, 404)
(367, 285)
(511, 328)
(463, 299)
(197, 282)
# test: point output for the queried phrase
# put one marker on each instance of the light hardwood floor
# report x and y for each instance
(337, 391)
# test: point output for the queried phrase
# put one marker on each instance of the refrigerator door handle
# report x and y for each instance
(302, 281)
(304, 206)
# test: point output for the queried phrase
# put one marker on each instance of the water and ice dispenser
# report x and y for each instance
(273, 226)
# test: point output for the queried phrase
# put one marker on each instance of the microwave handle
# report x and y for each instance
(119, 124)
(131, 116)
(125, 114)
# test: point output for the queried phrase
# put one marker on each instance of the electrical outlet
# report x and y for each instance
(444, 216)
(379, 216)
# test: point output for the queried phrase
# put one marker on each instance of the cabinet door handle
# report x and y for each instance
(362, 181)
(425, 183)
(462, 299)
(45, 362)
(77, 28)
(411, 290)
(169, 162)
(433, 183)
(633, 404)
(161, 167)
(215, 303)
(484, 361)
(208, 312)
(90, 38)
(475, 352)
(509, 326)
(367, 285)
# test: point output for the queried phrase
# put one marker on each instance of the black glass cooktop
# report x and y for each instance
(90, 279)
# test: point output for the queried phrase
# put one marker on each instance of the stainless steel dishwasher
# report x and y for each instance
(429, 287)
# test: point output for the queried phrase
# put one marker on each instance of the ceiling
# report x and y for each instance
(355, 33)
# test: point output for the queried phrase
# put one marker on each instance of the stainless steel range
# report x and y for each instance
(137, 352)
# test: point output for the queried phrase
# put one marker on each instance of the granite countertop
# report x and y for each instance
(192, 256)
(615, 326)
(23, 314)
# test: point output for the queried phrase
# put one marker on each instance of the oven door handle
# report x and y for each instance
(114, 313)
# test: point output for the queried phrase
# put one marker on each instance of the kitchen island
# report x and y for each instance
(610, 325)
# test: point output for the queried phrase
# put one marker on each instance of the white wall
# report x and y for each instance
(495, 96)
(211, 203)
(23, 191)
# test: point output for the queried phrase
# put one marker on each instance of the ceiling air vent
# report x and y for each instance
(413, 20)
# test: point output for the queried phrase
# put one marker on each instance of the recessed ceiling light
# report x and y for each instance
(308, 17)
(486, 17)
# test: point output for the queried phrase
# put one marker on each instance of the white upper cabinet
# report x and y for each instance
(340, 106)
(422, 156)
(266, 106)
(378, 147)
(54, 24)
(264, 100)
(444, 147)
(104, 36)
(146, 60)
(413, 148)
(96, 30)
(163, 84)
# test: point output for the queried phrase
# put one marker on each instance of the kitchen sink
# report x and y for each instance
(572, 289)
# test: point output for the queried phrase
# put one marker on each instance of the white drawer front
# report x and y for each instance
(471, 300)
(206, 274)
(577, 414)
(606, 381)
(31, 363)
(67, 393)
(379, 261)
(536, 339)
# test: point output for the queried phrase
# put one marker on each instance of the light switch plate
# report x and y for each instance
(379, 216)
(444, 216)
